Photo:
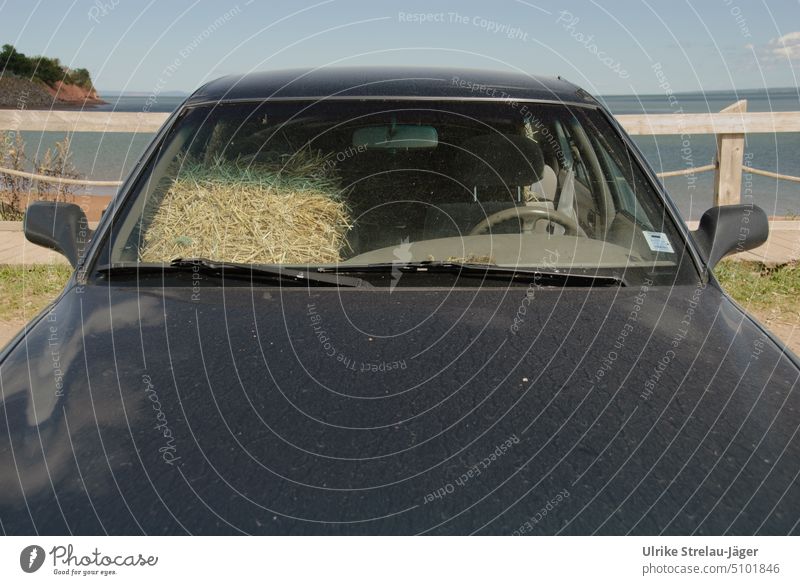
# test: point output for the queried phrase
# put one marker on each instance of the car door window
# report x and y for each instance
(621, 187)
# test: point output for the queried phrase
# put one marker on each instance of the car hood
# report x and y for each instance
(232, 409)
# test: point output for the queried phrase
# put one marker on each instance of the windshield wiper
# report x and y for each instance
(232, 269)
(545, 278)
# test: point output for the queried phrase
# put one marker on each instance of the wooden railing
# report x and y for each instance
(730, 125)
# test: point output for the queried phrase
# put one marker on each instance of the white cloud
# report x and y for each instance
(783, 47)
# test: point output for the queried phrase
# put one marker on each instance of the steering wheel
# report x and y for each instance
(529, 215)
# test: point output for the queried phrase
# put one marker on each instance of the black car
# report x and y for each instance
(396, 301)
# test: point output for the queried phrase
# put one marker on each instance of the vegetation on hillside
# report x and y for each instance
(45, 69)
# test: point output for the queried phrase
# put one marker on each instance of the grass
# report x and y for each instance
(755, 285)
(26, 290)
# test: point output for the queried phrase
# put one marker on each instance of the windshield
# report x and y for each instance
(355, 183)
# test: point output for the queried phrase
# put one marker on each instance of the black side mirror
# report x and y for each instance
(62, 227)
(729, 229)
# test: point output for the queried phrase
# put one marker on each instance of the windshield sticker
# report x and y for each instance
(658, 242)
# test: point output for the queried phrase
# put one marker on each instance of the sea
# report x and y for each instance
(111, 156)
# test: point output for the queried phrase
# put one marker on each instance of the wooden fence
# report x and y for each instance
(730, 125)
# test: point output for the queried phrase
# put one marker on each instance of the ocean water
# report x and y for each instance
(111, 156)
(778, 152)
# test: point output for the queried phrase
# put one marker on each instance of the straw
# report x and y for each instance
(288, 213)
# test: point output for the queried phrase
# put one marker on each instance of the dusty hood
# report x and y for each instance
(349, 411)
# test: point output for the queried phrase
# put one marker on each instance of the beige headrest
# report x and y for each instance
(545, 188)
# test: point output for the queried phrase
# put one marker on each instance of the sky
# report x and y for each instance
(608, 47)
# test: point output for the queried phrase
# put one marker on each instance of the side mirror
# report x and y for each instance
(62, 227)
(729, 229)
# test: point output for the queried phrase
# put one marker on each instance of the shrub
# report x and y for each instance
(44, 69)
(16, 63)
(55, 162)
(12, 156)
(81, 78)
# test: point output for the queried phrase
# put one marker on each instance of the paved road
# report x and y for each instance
(782, 246)
(15, 249)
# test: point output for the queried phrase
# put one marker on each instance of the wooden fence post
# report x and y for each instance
(730, 156)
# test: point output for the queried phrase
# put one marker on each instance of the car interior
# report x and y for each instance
(483, 182)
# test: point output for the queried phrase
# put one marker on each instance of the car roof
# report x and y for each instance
(384, 82)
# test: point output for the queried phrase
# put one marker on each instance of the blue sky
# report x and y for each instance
(608, 47)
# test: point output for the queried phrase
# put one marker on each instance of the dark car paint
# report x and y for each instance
(272, 435)
(269, 434)
(384, 82)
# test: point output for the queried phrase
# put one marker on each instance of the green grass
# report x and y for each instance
(756, 285)
(25, 290)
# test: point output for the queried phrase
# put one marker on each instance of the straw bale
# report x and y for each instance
(290, 214)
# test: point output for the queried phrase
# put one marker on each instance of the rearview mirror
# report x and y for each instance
(729, 229)
(396, 136)
(62, 227)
